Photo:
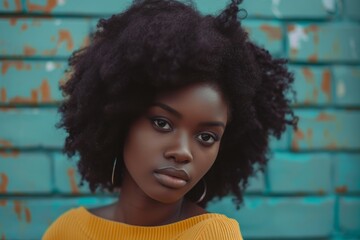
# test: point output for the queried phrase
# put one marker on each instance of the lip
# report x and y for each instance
(172, 177)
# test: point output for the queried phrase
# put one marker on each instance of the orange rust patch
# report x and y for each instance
(37, 95)
(19, 65)
(65, 36)
(73, 185)
(13, 21)
(7, 144)
(291, 28)
(313, 58)
(29, 51)
(308, 74)
(273, 33)
(331, 146)
(6, 4)
(312, 28)
(3, 202)
(298, 135)
(27, 215)
(293, 52)
(326, 83)
(4, 183)
(18, 5)
(50, 52)
(3, 95)
(325, 117)
(341, 189)
(45, 91)
(24, 27)
(50, 5)
(17, 209)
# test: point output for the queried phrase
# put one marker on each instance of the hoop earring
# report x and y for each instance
(204, 193)
(113, 172)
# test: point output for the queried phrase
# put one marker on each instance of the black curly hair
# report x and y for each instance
(156, 46)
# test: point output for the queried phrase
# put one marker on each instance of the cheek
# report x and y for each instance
(205, 160)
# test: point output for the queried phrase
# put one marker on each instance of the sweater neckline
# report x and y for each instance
(183, 223)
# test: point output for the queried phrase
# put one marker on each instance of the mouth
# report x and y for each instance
(172, 177)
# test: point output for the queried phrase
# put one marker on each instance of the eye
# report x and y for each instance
(207, 138)
(161, 124)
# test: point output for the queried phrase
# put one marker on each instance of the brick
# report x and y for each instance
(31, 82)
(20, 173)
(267, 34)
(67, 178)
(290, 9)
(29, 218)
(323, 42)
(327, 130)
(313, 85)
(92, 7)
(280, 217)
(34, 37)
(300, 173)
(280, 144)
(209, 7)
(30, 128)
(347, 85)
(349, 212)
(346, 173)
(256, 183)
(11, 6)
(352, 8)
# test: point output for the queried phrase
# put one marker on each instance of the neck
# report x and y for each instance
(136, 208)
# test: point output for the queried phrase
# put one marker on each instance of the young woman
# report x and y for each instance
(174, 109)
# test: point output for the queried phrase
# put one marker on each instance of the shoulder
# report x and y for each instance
(63, 224)
(221, 227)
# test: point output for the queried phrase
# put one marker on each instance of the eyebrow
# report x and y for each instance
(179, 115)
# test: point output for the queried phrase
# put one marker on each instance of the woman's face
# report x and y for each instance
(171, 147)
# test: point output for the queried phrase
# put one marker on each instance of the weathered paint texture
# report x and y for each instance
(309, 190)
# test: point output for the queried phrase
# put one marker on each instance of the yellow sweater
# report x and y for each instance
(80, 224)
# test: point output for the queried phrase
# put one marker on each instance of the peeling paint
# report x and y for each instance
(341, 189)
(340, 89)
(326, 83)
(275, 8)
(298, 135)
(27, 215)
(272, 33)
(17, 209)
(8, 153)
(29, 51)
(65, 36)
(329, 5)
(19, 65)
(308, 74)
(18, 5)
(313, 58)
(4, 182)
(296, 35)
(48, 8)
(73, 185)
(3, 95)
(6, 4)
(323, 117)
(24, 27)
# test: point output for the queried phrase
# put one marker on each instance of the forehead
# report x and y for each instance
(197, 100)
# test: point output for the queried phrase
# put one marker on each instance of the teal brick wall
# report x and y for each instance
(311, 188)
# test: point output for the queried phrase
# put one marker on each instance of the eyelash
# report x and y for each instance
(212, 135)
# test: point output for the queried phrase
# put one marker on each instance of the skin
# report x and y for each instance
(182, 129)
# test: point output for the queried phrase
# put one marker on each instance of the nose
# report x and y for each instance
(179, 149)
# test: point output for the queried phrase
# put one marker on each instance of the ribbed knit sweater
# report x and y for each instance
(80, 224)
